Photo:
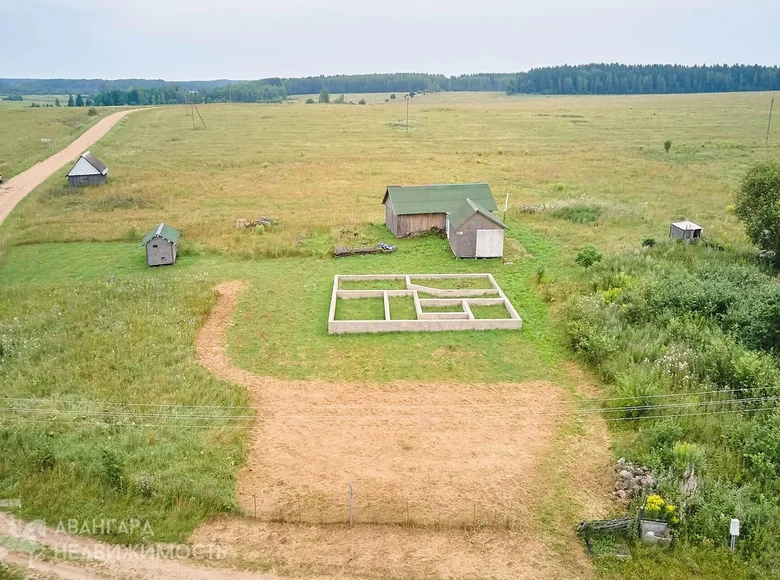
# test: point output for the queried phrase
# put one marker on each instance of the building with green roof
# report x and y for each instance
(462, 210)
(161, 244)
(413, 209)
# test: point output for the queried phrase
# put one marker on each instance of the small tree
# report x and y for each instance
(324, 96)
(79, 101)
(71, 102)
(758, 205)
(362, 102)
(667, 145)
(340, 99)
(92, 112)
(309, 101)
(588, 256)
(57, 102)
(392, 96)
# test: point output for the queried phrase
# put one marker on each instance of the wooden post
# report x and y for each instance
(254, 501)
(299, 508)
(350, 504)
(769, 124)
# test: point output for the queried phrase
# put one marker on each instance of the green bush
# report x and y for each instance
(667, 145)
(648, 242)
(92, 112)
(309, 101)
(588, 256)
(362, 102)
(758, 205)
(392, 97)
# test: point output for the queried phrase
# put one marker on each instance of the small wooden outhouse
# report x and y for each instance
(474, 232)
(685, 230)
(161, 244)
(88, 170)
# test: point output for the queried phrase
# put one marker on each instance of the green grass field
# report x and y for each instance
(579, 170)
(24, 127)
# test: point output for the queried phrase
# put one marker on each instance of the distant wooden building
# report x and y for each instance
(474, 232)
(414, 209)
(88, 170)
(161, 245)
(685, 230)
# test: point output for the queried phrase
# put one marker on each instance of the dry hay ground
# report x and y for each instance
(449, 480)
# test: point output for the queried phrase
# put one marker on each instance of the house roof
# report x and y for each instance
(444, 198)
(88, 164)
(162, 231)
(467, 209)
(686, 225)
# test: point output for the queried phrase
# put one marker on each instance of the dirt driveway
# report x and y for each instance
(16, 188)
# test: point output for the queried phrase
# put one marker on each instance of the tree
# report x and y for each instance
(758, 205)
(392, 96)
(588, 256)
(667, 145)
(362, 102)
(79, 101)
(324, 96)
(340, 99)
(309, 101)
(57, 102)
(71, 103)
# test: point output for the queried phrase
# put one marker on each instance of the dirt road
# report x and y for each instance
(16, 188)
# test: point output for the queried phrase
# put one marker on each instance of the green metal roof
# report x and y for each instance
(444, 198)
(165, 232)
(467, 209)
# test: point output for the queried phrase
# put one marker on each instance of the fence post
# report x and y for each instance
(350, 504)
(254, 502)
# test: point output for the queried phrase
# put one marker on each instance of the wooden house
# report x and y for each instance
(474, 232)
(415, 209)
(685, 230)
(88, 170)
(161, 245)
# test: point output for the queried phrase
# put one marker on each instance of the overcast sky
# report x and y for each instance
(249, 39)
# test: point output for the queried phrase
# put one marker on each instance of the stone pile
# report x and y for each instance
(632, 481)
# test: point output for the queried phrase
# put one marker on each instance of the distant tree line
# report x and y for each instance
(560, 80)
(621, 79)
(249, 92)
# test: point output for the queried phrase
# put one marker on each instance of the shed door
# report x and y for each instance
(490, 243)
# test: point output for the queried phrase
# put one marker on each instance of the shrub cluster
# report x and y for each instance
(688, 336)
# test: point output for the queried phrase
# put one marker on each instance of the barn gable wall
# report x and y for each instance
(463, 240)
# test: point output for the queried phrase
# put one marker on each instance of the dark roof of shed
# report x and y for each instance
(444, 198)
(467, 209)
(163, 231)
(96, 163)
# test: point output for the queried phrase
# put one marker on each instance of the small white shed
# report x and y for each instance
(685, 230)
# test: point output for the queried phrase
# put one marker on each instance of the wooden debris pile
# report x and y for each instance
(380, 248)
(264, 221)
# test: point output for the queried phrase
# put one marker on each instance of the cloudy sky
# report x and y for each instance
(248, 39)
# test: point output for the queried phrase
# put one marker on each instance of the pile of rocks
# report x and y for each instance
(632, 481)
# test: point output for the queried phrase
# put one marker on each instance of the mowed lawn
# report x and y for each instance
(322, 169)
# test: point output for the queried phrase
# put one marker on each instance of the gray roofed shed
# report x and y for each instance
(88, 170)
(685, 230)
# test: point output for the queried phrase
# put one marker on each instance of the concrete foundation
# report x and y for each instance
(462, 319)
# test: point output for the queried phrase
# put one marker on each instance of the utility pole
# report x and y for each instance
(407, 115)
(769, 124)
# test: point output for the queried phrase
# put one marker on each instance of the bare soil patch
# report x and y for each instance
(447, 479)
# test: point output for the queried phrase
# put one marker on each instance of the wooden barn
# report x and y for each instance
(414, 209)
(88, 170)
(474, 232)
(685, 230)
(161, 244)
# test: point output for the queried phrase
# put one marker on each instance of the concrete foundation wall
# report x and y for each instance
(426, 321)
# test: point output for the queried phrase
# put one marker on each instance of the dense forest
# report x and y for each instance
(620, 79)
(249, 92)
(596, 79)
